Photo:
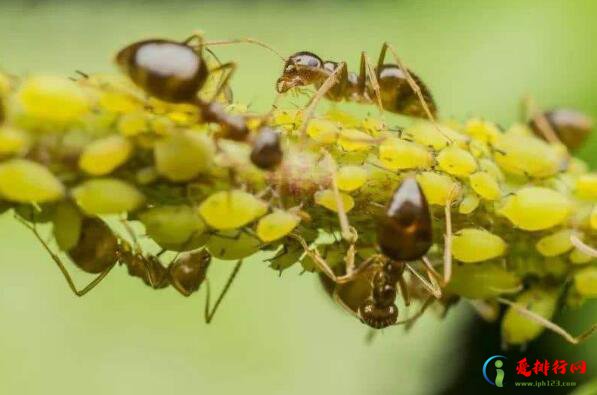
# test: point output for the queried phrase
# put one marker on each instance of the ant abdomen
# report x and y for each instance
(398, 96)
(404, 230)
(97, 247)
(169, 70)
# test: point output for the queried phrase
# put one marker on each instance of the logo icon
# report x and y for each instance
(494, 365)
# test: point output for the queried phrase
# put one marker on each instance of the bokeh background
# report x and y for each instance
(277, 335)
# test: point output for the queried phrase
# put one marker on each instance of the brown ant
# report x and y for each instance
(404, 235)
(175, 72)
(393, 87)
(99, 249)
(559, 125)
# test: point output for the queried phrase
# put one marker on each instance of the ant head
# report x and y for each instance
(302, 68)
(188, 271)
(378, 316)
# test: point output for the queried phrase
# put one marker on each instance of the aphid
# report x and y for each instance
(391, 86)
(98, 250)
(570, 126)
(176, 71)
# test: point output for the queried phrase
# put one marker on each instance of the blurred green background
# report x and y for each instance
(272, 335)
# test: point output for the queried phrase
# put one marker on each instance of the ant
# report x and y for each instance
(175, 72)
(404, 234)
(559, 125)
(393, 87)
(99, 249)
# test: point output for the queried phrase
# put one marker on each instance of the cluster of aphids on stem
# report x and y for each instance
(198, 174)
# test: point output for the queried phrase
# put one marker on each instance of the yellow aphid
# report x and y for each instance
(350, 178)
(593, 218)
(183, 114)
(492, 168)
(288, 119)
(174, 227)
(468, 204)
(578, 257)
(517, 328)
(146, 175)
(53, 99)
(327, 199)
(485, 185)
(526, 155)
(536, 208)
(585, 282)
(426, 133)
(354, 140)
(276, 225)
(456, 161)
(479, 149)
(132, 124)
(102, 156)
(476, 245)
(397, 154)
(183, 156)
(25, 181)
(233, 245)
(66, 220)
(107, 196)
(323, 131)
(119, 102)
(347, 120)
(555, 244)
(586, 186)
(438, 188)
(12, 141)
(162, 126)
(373, 125)
(231, 209)
(482, 130)
(483, 280)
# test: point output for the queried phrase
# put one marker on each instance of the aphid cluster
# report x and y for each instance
(390, 217)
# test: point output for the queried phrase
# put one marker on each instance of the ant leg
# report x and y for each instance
(411, 320)
(549, 324)
(326, 269)
(404, 290)
(431, 287)
(231, 67)
(60, 264)
(448, 242)
(586, 249)
(339, 300)
(348, 233)
(245, 40)
(209, 315)
(367, 68)
(531, 111)
(323, 89)
(411, 82)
